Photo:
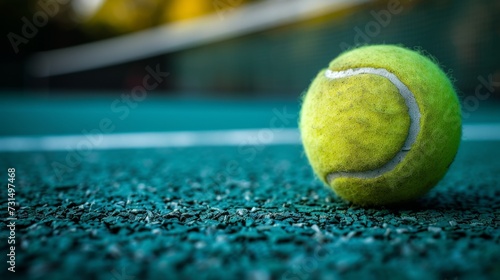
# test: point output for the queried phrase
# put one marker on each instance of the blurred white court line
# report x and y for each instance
(246, 137)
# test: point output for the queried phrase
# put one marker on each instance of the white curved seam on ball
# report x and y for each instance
(413, 112)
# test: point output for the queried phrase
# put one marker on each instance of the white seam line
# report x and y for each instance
(413, 130)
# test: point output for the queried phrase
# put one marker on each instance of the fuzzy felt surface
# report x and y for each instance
(429, 157)
(357, 123)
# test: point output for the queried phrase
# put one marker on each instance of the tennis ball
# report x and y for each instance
(381, 125)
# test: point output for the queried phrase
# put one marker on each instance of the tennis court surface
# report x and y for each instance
(244, 206)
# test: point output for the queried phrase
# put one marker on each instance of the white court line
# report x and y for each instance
(481, 132)
(152, 140)
(244, 137)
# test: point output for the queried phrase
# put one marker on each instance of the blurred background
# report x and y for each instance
(231, 48)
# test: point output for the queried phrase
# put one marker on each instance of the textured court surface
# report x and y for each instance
(244, 213)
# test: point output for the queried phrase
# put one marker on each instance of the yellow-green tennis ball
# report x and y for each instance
(381, 125)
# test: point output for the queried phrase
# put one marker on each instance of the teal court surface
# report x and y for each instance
(222, 190)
